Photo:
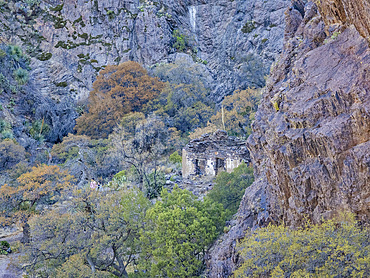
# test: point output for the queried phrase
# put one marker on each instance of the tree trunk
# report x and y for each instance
(125, 274)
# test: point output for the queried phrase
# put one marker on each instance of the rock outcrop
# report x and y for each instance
(311, 138)
(345, 12)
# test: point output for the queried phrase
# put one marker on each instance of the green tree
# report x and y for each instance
(96, 236)
(179, 231)
(181, 41)
(335, 248)
(229, 188)
(184, 106)
(176, 158)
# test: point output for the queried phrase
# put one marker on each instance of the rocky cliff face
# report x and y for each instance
(311, 138)
(230, 44)
(71, 40)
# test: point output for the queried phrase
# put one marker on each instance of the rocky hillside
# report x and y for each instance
(228, 44)
(70, 41)
(311, 140)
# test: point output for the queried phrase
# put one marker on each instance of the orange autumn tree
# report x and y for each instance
(118, 90)
(18, 202)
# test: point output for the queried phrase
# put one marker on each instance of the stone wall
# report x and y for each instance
(213, 153)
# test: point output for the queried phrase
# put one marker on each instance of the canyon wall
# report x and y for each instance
(229, 45)
(311, 137)
(71, 40)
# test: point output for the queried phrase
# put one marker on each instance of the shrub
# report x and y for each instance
(21, 76)
(10, 154)
(39, 130)
(248, 27)
(336, 248)
(154, 184)
(4, 244)
(198, 132)
(229, 188)
(185, 106)
(44, 56)
(2, 79)
(239, 110)
(4, 83)
(176, 158)
(57, 8)
(32, 2)
(62, 84)
(111, 15)
(15, 52)
(4, 125)
(2, 53)
(119, 180)
(7, 134)
(180, 41)
(5, 130)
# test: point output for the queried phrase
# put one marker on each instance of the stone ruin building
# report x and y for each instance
(212, 153)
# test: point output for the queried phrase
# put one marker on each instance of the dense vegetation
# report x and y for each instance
(229, 188)
(97, 203)
(179, 231)
(118, 90)
(335, 248)
(113, 231)
(104, 201)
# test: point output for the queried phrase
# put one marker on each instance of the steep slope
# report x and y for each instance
(229, 45)
(311, 138)
(72, 40)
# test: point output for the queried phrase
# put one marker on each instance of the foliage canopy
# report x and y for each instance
(118, 90)
(97, 236)
(139, 142)
(331, 249)
(179, 231)
(229, 188)
(43, 184)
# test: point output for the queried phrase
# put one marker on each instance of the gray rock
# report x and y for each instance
(84, 36)
(310, 141)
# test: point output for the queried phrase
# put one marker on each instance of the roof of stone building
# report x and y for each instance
(218, 143)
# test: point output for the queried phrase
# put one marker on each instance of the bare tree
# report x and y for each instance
(140, 142)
